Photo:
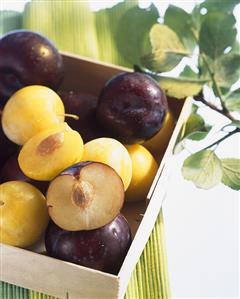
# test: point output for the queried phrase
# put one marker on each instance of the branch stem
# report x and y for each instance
(224, 109)
(218, 90)
(237, 130)
(226, 113)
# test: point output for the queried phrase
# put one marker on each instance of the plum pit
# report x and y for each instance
(82, 194)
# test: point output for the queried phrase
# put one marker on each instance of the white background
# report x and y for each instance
(201, 227)
(202, 236)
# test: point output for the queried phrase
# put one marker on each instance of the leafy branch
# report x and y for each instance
(218, 68)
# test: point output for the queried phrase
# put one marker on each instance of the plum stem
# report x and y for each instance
(74, 116)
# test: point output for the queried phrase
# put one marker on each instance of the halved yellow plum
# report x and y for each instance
(48, 153)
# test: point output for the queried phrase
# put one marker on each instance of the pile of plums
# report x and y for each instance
(81, 167)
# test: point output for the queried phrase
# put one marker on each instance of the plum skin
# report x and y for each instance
(7, 147)
(85, 106)
(132, 107)
(75, 169)
(12, 172)
(101, 249)
(28, 58)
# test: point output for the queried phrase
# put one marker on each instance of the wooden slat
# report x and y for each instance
(156, 196)
(54, 277)
(87, 75)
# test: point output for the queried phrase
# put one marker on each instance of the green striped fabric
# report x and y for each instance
(150, 278)
(94, 35)
(9, 20)
(8, 291)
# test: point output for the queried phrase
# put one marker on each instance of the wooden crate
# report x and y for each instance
(32, 270)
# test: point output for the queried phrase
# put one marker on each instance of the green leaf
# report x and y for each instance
(196, 136)
(203, 168)
(235, 123)
(217, 33)
(141, 69)
(225, 91)
(167, 50)
(194, 123)
(208, 127)
(203, 70)
(197, 19)
(210, 6)
(188, 73)
(232, 102)
(178, 147)
(194, 129)
(107, 28)
(219, 5)
(231, 173)
(180, 87)
(179, 144)
(132, 31)
(236, 47)
(181, 22)
(10, 20)
(195, 108)
(227, 69)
